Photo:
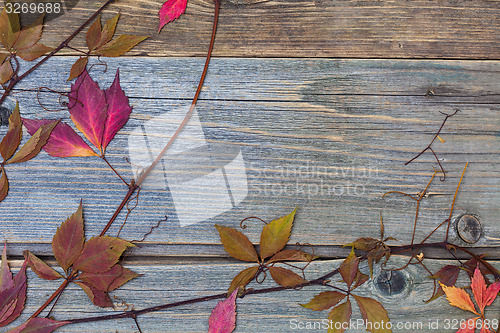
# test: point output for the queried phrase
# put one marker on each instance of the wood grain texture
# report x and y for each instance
(272, 312)
(327, 136)
(465, 29)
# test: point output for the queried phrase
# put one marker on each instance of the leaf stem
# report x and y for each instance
(114, 170)
(15, 80)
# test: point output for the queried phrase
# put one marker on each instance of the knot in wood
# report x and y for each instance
(469, 229)
(391, 283)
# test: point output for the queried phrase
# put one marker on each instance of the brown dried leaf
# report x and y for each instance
(349, 268)
(243, 278)
(236, 244)
(286, 277)
(291, 255)
(108, 31)
(275, 235)
(12, 139)
(364, 243)
(100, 254)
(340, 314)
(78, 68)
(9, 28)
(120, 45)
(30, 35)
(360, 279)
(373, 312)
(34, 52)
(94, 34)
(6, 72)
(67, 243)
(324, 300)
(4, 185)
(31, 148)
(41, 269)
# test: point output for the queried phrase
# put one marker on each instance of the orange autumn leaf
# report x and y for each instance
(458, 298)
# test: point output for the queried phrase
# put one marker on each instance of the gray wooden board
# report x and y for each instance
(274, 312)
(327, 136)
(320, 28)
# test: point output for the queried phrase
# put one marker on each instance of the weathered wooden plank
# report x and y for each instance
(284, 28)
(275, 312)
(331, 154)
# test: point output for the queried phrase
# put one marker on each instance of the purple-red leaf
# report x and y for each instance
(170, 11)
(63, 141)
(31, 148)
(243, 278)
(12, 299)
(67, 243)
(4, 184)
(41, 269)
(118, 110)
(110, 280)
(100, 254)
(447, 275)
(38, 325)
(223, 317)
(87, 106)
(12, 139)
(98, 297)
(78, 67)
(6, 281)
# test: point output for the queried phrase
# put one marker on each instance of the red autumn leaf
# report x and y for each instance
(78, 67)
(483, 296)
(459, 298)
(12, 139)
(340, 314)
(447, 275)
(373, 312)
(110, 280)
(31, 148)
(4, 184)
(94, 34)
(223, 317)
(63, 141)
(38, 325)
(324, 300)
(275, 235)
(87, 106)
(349, 268)
(41, 269)
(67, 243)
(119, 46)
(118, 110)
(243, 278)
(285, 277)
(12, 297)
(100, 254)
(236, 244)
(98, 297)
(170, 11)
